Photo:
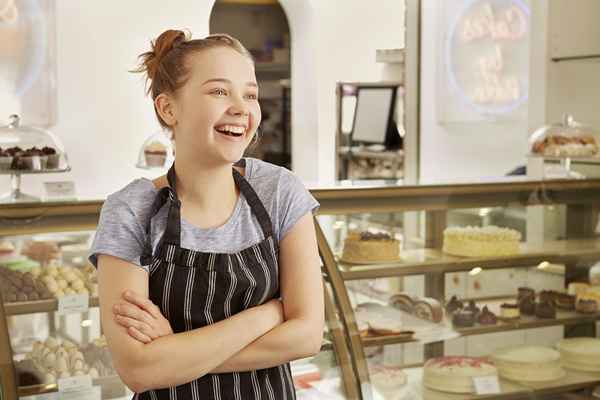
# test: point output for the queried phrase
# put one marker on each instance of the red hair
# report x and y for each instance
(165, 65)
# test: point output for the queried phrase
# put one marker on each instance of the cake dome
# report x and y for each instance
(28, 149)
(157, 152)
(568, 139)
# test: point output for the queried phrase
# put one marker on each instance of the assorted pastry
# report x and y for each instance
(55, 359)
(487, 241)
(372, 320)
(17, 286)
(367, 247)
(97, 356)
(556, 145)
(426, 308)
(64, 280)
(46, 283)
(31, 159)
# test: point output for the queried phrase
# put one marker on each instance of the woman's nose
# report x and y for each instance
(238, 106)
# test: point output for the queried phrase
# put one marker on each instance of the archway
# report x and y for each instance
(262, 26)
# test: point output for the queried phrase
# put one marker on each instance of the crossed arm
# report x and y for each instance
(141, 341)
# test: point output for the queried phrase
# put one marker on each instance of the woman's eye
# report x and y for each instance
(220, 92)
(252, 96)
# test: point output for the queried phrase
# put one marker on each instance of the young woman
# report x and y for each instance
(209, 276)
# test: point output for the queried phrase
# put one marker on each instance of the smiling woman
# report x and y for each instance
(209, 277)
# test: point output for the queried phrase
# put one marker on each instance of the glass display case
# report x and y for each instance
(51, 342)
(450, 291)
(421, 281)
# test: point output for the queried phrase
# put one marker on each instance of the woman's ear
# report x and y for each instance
(165, 107)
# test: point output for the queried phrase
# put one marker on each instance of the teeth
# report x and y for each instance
(232, 128)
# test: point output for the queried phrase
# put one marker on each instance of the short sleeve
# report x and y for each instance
(119, 233)
(294, 202)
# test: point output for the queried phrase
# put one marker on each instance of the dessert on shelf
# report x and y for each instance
(487, 317)
(64, 280)
(464, 318)
(55, 359)
(18, 286)
(487, 241)
(545, 309)
(527, 305)
(426, 308)
(455, 374)
(509, 311)
(453, 305)
(581, 354)
(567, 139)
(367, 247)
(528, 363)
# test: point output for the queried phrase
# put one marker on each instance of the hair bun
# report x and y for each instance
(161, 46)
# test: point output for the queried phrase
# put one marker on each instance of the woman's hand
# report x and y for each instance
(142, 318)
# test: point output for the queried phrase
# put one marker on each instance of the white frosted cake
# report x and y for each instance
(582, 354)
(528, 363)
(487, 241)
(455, 374)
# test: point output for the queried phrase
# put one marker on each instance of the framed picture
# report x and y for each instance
(28, 61)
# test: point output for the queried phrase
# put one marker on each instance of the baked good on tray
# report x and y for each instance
(528, 363)
(488, 241)
(455, 374)
(370, 247)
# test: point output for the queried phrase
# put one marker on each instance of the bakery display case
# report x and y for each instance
(456, 291)
(51, 342)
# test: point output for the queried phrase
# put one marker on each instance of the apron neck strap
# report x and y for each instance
(172, 233)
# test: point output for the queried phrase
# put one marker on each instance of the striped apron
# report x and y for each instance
(194, 289)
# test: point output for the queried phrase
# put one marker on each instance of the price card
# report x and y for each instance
(60, 189)
(75, 384)
(486, 385)
(75, 303)
(93, 393)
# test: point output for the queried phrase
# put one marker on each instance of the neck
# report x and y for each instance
(205, 187)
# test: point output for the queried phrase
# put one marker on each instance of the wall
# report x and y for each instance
(468, 151)
(103, 116)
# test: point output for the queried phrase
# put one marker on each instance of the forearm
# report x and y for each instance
(292, 340)
(212, 345)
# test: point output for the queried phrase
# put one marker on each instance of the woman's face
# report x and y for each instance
(217, 110)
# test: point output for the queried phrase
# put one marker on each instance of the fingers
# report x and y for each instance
(133, 312)
(137, 335)
(142, 302)
(140, 327)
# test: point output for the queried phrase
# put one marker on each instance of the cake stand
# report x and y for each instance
(16, 195)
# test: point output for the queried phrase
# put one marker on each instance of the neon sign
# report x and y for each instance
(487, 55)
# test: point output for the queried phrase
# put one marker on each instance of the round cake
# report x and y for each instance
(488, 241)
(366, 247)
(582, 354)
(455, 374)
(528, 363)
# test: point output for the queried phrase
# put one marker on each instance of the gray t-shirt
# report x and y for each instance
(125, 214)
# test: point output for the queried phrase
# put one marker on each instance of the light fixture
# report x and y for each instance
(86, 323)
(475, 271)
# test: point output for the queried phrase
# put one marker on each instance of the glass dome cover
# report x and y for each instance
(25, 149)
(157, 151)
(569, 139)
